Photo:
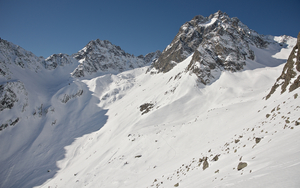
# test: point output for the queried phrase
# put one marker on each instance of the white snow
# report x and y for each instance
(271, 56)
(285, 52)
(181, 128)
(208, 23)
(101, 138)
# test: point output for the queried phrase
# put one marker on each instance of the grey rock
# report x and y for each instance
(290, 71)
(216, 158)
(104, 57)
(67, 97)
(152, 57)
(241, 165)
(226, 39)
(56, 60)
(218, 43)
(205, 163)
(257, 140)
(10, 93)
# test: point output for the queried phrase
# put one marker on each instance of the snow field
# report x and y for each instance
(162, 147)
(139, 130)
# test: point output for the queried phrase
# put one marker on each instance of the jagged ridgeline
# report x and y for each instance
(24, 76)
(103, 56)
(217, 41)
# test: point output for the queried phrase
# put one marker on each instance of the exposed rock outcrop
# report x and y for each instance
(12, 92)
(56, 60)
(290, 76)
(104, 57)
(218, 43)
(67, 97)
(151, 57)
(222, 40)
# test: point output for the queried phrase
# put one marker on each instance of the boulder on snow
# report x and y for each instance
(241, 165)
(205, 164)
(216, 158)
(145, 108)
(257, 140)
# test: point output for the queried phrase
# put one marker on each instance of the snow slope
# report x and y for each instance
(182, 126)
(137, 129)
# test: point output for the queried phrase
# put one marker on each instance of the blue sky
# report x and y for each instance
(45, 27)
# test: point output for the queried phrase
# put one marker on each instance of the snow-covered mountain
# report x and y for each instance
(104, 57)
(216, 43)
(219, 107)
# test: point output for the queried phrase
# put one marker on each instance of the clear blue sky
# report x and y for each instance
(45, 27)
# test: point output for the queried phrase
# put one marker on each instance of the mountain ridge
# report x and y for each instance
(218, 43)
(103, 56)
(199, 30)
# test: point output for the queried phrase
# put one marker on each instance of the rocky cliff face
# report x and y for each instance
(290, 76)
(217, 41)
(151, 57)
(12, 94)
(56, 60)
(104, 57)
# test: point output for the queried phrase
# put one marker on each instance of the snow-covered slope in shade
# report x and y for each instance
(12, 57)
(42, 110)
(36, 95)
(27, 82)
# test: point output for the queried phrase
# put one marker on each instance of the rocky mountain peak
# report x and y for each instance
(219, 15)
(199, 19)
(226, 41)
(217, 43)
(104, 57)
(97, 47)
(290, 76)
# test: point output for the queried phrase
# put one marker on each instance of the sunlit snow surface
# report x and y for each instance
(101, 139)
